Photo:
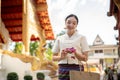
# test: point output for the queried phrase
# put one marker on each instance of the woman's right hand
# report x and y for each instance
(63, 54)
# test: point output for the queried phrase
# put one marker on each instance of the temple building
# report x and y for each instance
(24, 21)
(103, 54)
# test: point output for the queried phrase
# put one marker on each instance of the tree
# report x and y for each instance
(33, 47)
(61, 33)
(18, 47)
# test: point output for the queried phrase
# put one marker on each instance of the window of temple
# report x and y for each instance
(98, 51)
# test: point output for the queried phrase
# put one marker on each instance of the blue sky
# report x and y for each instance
(92, 14)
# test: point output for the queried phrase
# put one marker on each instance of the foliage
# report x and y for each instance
(12, 76)
(50, 45)
(61, 33)
(33, 47)
(28, 77)
(107, 70)
(40, 76)
(48, 54)
(18, 47)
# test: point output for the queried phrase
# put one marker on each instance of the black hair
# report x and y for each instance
(72, 15)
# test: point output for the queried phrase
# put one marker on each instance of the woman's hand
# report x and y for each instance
(82, 57)
(63, 54)
(57, 57)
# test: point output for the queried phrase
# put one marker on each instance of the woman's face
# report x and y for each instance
(71, 23)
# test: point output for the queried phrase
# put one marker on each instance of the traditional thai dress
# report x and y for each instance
(76, 41)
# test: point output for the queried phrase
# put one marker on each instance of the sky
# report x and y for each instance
(92, 14)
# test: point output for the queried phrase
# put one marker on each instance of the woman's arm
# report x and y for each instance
(83, 56)
(57, 57)
(85, 49)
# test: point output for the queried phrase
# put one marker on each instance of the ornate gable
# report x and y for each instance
(98, 41)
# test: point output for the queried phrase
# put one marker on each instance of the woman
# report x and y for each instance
(71, 40)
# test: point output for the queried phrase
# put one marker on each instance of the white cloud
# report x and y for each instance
(93, 19)
(83, 2)
(103, 2)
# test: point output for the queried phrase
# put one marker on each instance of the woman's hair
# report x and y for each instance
(72, 15)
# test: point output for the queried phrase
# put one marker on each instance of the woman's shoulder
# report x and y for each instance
(80, 35)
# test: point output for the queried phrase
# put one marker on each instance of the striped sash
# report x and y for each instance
(65, 68)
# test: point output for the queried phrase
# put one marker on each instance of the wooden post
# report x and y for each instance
(25, 27)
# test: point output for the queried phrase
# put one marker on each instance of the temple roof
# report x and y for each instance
(12, 16)
(98, 41)
(114, 10)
